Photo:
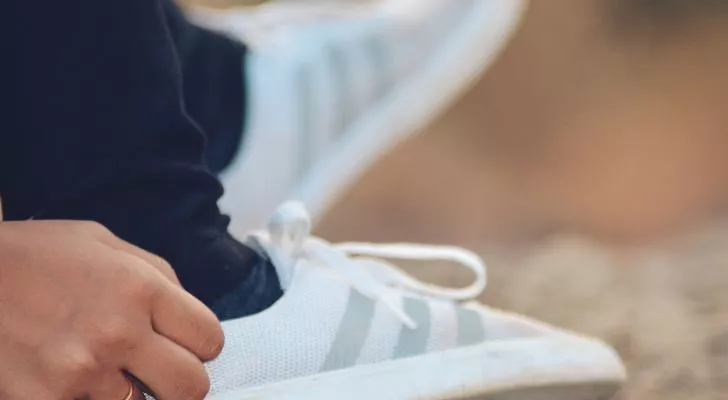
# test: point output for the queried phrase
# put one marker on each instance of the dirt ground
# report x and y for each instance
(666, 312)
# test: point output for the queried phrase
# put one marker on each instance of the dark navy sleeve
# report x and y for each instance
(94, 127)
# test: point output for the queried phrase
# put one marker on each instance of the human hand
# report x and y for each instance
(79, 307)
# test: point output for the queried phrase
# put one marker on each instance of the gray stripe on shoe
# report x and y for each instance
(378, 59)
(470, 327)
(342, 83)
(352, 333)
(304, 90)
(414, 341)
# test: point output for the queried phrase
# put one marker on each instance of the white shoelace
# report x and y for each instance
(361, 265)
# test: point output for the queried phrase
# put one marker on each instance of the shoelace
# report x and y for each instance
(288, 241)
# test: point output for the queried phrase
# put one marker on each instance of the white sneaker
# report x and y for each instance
(332, 88)
(351, 326)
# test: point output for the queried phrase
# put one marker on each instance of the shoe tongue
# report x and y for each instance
(254, 244)
(284, 273)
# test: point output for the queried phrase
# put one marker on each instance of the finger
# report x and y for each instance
(183, 319)
(112, 385)
(169, 371)
(154, 260)
(24, 384)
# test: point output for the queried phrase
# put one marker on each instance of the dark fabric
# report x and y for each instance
(257, 293)
(95, 127)
(213, 79)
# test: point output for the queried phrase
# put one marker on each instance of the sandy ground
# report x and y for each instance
(665, 312)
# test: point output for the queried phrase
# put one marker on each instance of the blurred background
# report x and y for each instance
(666, 311)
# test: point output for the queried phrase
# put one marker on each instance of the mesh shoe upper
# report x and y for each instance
(331, 318)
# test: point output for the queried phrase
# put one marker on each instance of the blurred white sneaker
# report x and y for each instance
(351, 326)
(333, 87)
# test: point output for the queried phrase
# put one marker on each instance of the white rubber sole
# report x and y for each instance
(554, 368)
(417, 102)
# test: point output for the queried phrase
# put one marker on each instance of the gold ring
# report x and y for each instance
(130, 395)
